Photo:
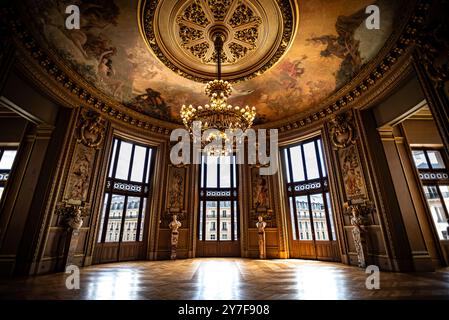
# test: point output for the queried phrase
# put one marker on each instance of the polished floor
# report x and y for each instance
(228, 278)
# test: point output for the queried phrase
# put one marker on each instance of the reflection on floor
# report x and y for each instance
(228, 278)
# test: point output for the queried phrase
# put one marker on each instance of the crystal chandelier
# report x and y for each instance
(217, 114)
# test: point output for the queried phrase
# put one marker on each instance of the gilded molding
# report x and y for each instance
(91, 130)
(353, 94)
(349, 96)
(70, 85)
(196, 18)
(341, 130)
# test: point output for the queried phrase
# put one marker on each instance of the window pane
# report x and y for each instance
(302, 212)
(319, 217)
(311, 161)
(131, 217)
(225, 172)
(436, 161)
(103, 215)
(211, 220)
(123, 161)
(292, 217)
(323, 164)
(437, 211)
(211, 172)
(203, 164)
(297, 165)
(111, 164)
(331, 216)
(236, 215)
(445, 193)
(150, 153)
(225, 222)
(115, 218)
(234, 172)
(142, 225)
(7, 159)
(420, 159)
(286, 164)
(200, 233)
(138, 164)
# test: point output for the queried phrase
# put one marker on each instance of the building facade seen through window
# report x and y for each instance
(7, 156)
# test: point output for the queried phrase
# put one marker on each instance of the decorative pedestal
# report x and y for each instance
(71, 244)
(174, 226)
(261, 233)
(72, 213)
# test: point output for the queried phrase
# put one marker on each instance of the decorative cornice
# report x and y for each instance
(72, 86)
(394, 55)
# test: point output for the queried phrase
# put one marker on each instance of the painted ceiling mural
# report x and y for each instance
(331, 46)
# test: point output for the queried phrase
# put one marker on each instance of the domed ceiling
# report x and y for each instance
(329, 45)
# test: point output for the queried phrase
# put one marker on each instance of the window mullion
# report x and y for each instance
(125, 206)
(443, 204)
(106, 217)
(309, 199)
(303, 156)
(131, 162)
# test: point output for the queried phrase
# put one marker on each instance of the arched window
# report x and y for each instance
(218, 194)
(307, 190)
(127, 187)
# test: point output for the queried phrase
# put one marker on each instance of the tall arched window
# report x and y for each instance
(308, 192)
(127, 191)
(218, 193)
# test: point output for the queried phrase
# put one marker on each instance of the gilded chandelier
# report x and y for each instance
(218, 114)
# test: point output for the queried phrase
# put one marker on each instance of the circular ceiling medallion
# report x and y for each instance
(256, 35)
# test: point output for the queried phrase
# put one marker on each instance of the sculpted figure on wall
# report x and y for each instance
(92, 130)
(341, 131)
(79, 177)
(352, 173)
(72, 213)
(261, 192)
(174, 226)
(261, 234)
(176, 191)
(358, 213)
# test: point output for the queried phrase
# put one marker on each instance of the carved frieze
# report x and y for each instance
(352, 173)
(176, 188)
(261, 204)
(341, 130)
(80, 173)
(91, 130)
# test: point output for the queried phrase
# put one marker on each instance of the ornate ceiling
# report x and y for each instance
(285, 57)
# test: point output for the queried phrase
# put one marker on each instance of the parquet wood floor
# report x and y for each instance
(228, 278)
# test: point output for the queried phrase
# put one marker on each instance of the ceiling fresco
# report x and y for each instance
(331, 46)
